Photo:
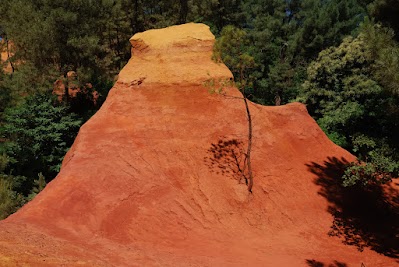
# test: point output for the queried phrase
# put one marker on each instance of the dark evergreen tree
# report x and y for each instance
(386, 12)
(218, 13)
(286, 35)
(39, 133)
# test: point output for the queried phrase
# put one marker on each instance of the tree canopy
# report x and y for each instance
(356, 103)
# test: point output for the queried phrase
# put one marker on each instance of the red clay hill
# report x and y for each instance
(150, 179)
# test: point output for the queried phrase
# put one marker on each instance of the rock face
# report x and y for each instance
(6, 66)
(173, 56)
(151, 178)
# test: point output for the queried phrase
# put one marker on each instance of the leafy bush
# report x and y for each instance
(10, 200)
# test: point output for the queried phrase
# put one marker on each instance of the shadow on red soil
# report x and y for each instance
(315, 263)
(363, 217)
(227, 157)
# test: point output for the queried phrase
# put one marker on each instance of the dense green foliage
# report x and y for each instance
(356, 102)
(287, 35)
(232, 49)
(10, 199)
(39, 133)
(340, 57)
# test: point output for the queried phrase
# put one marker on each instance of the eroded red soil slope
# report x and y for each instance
(150, 178)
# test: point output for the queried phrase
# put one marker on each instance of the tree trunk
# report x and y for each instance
(183, 11)
(249, 147)
(137, 26)
(248, 155)
(277, 99)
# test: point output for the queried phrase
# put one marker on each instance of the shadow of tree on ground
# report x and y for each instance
(227, 157)
(314, 263)
(363, 217)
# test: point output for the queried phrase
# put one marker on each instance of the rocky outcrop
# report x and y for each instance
(151, 179)
(175, 55)
(4, 62)
(69, 89)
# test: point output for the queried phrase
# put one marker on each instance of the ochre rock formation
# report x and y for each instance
(150, 178)
(6, 66)
(74, 89)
